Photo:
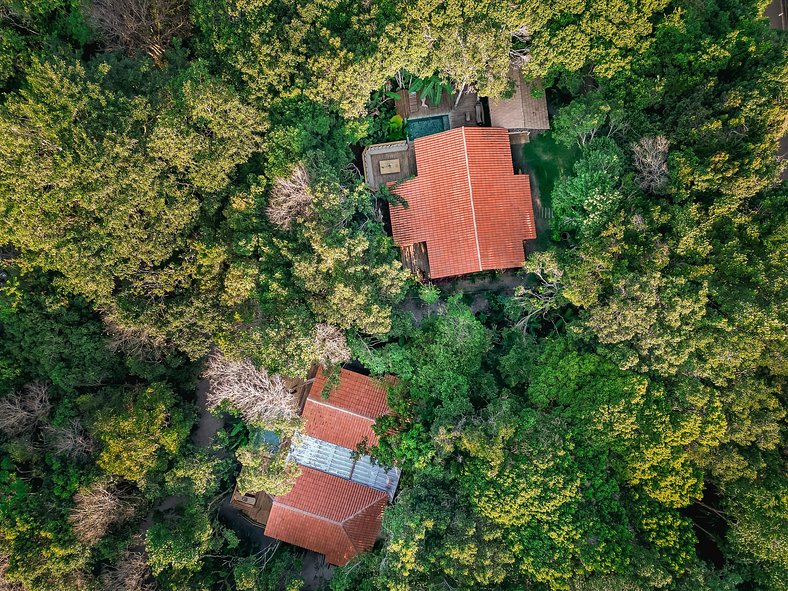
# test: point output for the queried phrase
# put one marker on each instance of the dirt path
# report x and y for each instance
(315, 571)
(208, 424)
(777, 12)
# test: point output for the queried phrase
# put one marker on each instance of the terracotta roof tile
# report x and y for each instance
(466, 203)
(354, 392)
(346, 417)
(327, 514)
(335, 426)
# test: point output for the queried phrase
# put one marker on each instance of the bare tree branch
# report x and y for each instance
(331, 345)
(520, 57)
(22, 411)
(651, 163)
(543, 299)
(71, 440)
(260, 397)
(129, 573)
(96, 510)
(291, 198)
(134, 26)
(134, 341)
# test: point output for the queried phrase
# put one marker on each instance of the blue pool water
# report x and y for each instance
(427, 126)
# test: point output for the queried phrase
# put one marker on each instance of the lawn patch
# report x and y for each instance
(549, 161)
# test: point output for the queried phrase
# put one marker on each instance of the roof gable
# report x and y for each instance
(346, 416)
(466, 203)
(355, 392)
(336, 505)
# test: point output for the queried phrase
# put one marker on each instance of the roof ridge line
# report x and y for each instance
(309, 513)
(349, 539)
(347, 535)
(328, 520)
(470, 193)
(340, 409)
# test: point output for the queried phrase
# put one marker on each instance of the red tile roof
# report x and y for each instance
(325, 513)
(328, 514)
(346, 417)
(466, 203)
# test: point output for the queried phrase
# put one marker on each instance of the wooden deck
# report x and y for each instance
(464, 113)
(255, 507)
(387, 163)
(414, 257)
(396, 161)
(410, 105)
(522, 111)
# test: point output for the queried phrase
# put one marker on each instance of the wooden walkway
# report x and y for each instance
(414, 258)
(546, 213)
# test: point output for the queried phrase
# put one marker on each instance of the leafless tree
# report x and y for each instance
(140, 25)
(132, 340)
(23, 410)
(129, 573)
(71, 440)
(651, 163)
(291, 198)
(260, 397)
(331, 345)
(96, 509)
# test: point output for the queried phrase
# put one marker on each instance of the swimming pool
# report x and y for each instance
(427, 126)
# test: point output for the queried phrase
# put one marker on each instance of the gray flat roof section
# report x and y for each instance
(338, 461)
(378, 160)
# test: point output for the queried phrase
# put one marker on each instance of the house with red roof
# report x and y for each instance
(462, 172)
(466, 210)
(336, 506)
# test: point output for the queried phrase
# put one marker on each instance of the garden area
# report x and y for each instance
(549, 161)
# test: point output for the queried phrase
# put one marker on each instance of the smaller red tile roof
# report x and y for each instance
(466, 203)
(346, 417)
(329, 515)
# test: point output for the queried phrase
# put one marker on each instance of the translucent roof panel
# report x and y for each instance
(338, 461)
(375, 476)
(322, 455)
(268, 439)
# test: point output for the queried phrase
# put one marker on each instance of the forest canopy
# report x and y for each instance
(181, 205)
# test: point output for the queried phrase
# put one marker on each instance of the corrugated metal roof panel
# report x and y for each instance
(338, 461)
(322, 455)
(376, 476)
